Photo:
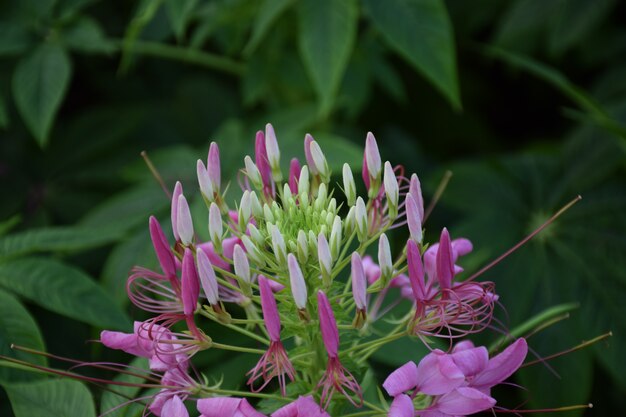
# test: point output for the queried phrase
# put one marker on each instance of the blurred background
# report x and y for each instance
(524, 101)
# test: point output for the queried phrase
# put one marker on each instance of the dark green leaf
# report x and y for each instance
(146, 11)
(420, 31)
(54, 397)
(56, 239)
(117, 394)
(4, 115)
(326, 38)
(86, 35)
(39, 85)
(18, 327)
(62, 289)
(68, 8)
(14, 38)
(269, 11)
(525, 24)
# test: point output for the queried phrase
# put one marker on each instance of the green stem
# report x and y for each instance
(236, 328)
(236, 393)
(237, 348)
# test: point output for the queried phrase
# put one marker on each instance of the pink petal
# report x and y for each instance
(415, 189)
(174, 407)
(502, 365)
(246, 410)
(270, 311)
(216, 260)
(178, 191)
(359, 283)
(444, 261)
(416, 270)
(190, 285)
(402, 379)
(219, 406)
(308, 139)
(438, 374)
(463, 345)
(294, 175)
(213, 166)
(464, 401)
(402, 406)
(413, 219)
(371, 268)
(162, 248)
(302, 407)
(260, 157)
(461, 247)
(328, 325)
(471, 361)
(125, 342)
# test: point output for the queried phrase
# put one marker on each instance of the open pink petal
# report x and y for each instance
(437, 374)
(471, 361)
(174, 407)
(502, 365)
(402, 406)
(402, 379)
(464, 401)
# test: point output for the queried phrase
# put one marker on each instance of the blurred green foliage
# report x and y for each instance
(525, 101)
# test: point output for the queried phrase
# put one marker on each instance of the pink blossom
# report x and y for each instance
(226, 407)
(302, 407)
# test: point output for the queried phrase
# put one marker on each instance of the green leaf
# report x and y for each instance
(54, 397)
(85, 35)
(4, 115)
(179, 12)
(116, 395)
(62, 289)
(66, 239)
(269, 11)
(326, 37)
(523, 26)
(69, 8)
(14, 39)
(146, 11)
(421, 32)
(39, 84)
(18, 327)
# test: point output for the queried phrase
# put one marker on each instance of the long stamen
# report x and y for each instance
(548, 410)
(438, 193)
(526, 239)
(155, 174)
(574, 349)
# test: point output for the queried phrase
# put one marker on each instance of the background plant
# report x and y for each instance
(86, 85)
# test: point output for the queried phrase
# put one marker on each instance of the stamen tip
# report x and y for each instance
(12, 345)
(590, 405)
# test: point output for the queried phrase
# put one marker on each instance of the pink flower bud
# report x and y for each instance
(307, 153)
(178, 191)
(372, 156)
(328, 325)
(296, 279)
(184, 223)
(416, 191)
(213, 167)
(206, 188)
(270, 311)
(413, 218)
(445, 261)
(242, 266)
(294, 175)
(320, 161)
(416, 270)
(215, 225)
(162, 248)
(359, 283)
(323, 253)
(260, 157)
(190, 287)
(273, 152)
(207, 278)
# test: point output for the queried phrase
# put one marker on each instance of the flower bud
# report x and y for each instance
(349, 187)
(260, 157)
(384, 259)
(320, 161)
(242, 269)
(278, 244)
(245, 210)
(303, 247)
(273, 153)
(325, 259)
(374, 165)
(267, 213)
(307, 153)
(253, 251)
(162, 248)
(415, 189)
(361, 220)
(178, 190)
(213, 167)
(391, 190)
(332, 206)
(335, 237)
(416, 270)
(296, 279)
(190, 287)
(312, 241)
(256, 236)
(207, 278)
(257, 209)
(184, 223)
(303, 181)
(253, 173)
(349, 225)
(294, 173)
(215, 227)
(413, 218)
(359, 283)
(320, 200)
(206, 188)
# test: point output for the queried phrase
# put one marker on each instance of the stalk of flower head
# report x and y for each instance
(311, 294)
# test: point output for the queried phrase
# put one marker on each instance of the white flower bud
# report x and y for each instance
(350, 222)
(256, 236)
(320, 200)
(267, 213)
(303, 181)
(335, 237)
(254, 253)
(349, 186)
(325, 259)
(361, 220)
(257, 209)
(183, 221)
(320, 161)
(296, 279)
(273, 152)
(278, 244)
(384, 259)
(253, 173)
(303, 247)
(242, 268)
(391, 190)
(215, 227)
(245, 210)
(206, 188)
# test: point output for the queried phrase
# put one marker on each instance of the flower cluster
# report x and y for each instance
(288, 268)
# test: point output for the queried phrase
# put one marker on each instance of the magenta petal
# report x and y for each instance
(416, 270)
(260, 157)
(502, 366)
(471, 361)
(190, 285)
(174, 407)
(246, 410)
(125, 342)
(402, 379)
(328, 325)
(444, 261)
(213, 166)
(162, 248)
(219, 406)
(294, 175)
(402, 406)
(464, 401)
(270, 311)
(308, 139)
(437, 374)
